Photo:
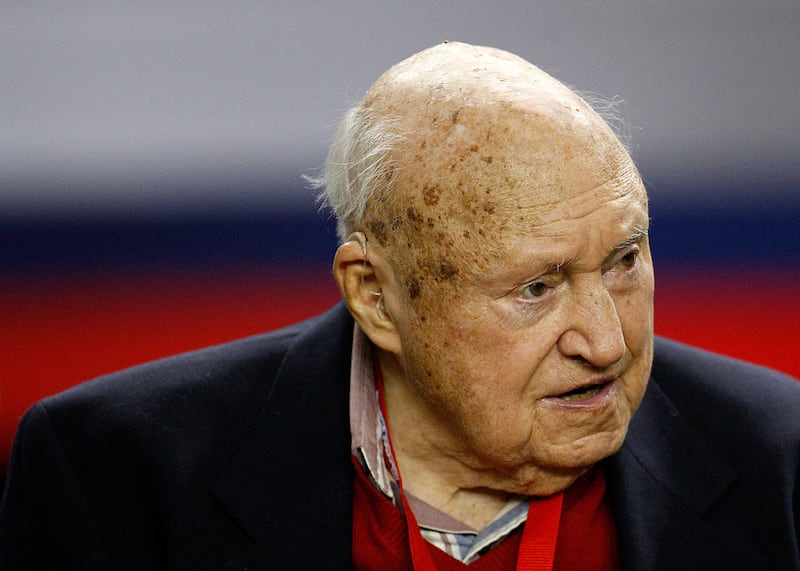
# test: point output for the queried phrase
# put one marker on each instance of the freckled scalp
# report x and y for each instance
(488, 145)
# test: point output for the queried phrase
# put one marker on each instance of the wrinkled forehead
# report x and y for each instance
(515, 154)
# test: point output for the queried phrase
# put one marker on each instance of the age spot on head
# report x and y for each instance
(413, 288)
(430, 194)
(378, 229)
(414, 217)
(446, 271)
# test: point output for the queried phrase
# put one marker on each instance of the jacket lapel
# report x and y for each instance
(662, 482)
(294, 472)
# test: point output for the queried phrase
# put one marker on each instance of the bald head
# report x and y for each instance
(457, 74)
(457, 146)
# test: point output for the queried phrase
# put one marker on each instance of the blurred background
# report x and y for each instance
(151, 155)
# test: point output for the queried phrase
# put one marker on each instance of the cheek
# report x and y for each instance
(635, 311)
(636, 318)
(493, 366)
(455, 355)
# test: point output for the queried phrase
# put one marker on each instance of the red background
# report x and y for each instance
(58, 332)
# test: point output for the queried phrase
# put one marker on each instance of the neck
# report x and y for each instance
(475, 507)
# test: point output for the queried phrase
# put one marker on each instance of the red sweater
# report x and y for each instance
(586, 537)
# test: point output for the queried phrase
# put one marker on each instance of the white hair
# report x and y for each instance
(614, 112)
(358, 166)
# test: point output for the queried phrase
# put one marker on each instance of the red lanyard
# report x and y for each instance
(538, 545)
(538, 548)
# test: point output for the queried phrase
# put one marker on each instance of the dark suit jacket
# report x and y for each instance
(238, 457)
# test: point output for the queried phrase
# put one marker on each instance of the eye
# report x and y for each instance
(629, 260)
(534, 290)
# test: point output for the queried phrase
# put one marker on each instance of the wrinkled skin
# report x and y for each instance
(514, 265)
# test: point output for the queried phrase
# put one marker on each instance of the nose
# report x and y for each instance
(594, 332)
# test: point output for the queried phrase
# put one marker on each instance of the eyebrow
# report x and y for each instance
(639, 234)
(634, 237)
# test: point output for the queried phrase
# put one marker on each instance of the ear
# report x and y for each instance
(366, 289)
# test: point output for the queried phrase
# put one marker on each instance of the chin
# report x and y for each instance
(549, 481)
(590, 450)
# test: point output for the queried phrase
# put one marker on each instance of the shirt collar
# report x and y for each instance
(369, 435)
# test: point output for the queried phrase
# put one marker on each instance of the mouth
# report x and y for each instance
(595, 394)
(582, 393)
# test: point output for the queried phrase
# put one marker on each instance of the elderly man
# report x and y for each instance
(491, 397)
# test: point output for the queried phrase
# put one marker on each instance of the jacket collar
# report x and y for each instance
(294, 471)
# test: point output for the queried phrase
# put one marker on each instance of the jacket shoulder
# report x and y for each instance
(729, 400)
(180, 405)
(215, 372)
(119, 472)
